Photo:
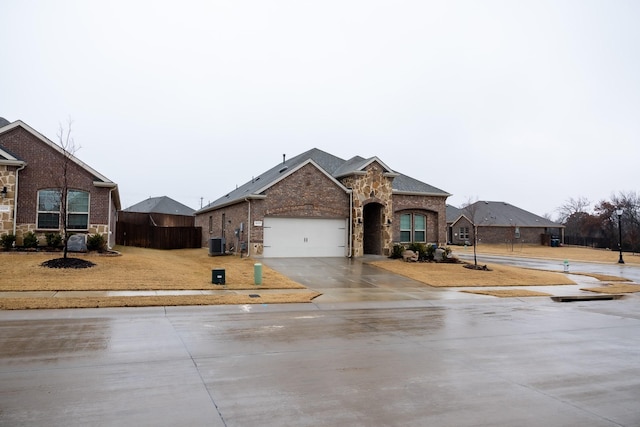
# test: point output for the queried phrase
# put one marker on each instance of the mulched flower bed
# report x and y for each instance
(67, 263)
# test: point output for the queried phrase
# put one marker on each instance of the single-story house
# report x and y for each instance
(500, 222)
(31, 182)
(160, 211)
(160, 223)
(318, 205)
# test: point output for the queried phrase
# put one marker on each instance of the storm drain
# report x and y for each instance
(572, 298)
(254, 296)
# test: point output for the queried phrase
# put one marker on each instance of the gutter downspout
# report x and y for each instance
(110, 232)
(15, 201)
(248, 229)
(350, 244)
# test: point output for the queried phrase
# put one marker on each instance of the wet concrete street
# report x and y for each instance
(439, 362)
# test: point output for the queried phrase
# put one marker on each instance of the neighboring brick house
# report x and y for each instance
(30, 184)
(500, 222)
(316, 204)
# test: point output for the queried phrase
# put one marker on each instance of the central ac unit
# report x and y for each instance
(216, 246)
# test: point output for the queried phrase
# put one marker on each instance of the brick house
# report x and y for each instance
(500, 222)
(30, 184)
(316, 204)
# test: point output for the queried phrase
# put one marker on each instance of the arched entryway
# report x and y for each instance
(372, 233)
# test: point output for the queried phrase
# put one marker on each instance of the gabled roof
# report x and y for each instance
(453, 214)
(6, 158)
(334, 167)
(99, 180)
(161, 205)
(502, 214)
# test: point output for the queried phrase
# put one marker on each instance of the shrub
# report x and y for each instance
(54, 240)
(446, 253)
(421, 249)
(96, 242)
(30, 240)
(7, 241)
(396, 252)
(431, 252)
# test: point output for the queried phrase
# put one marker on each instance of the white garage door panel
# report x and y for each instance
(304, 237)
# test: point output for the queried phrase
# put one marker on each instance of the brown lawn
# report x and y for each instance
(570, 253)
(615, 288)
(142, 269)
(136, 269)
(455, 275)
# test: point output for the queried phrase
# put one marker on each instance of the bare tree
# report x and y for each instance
(470, 210)
(573, 206)
(69, 148)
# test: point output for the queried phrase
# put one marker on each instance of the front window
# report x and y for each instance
(419, 228)
(413, 225)
(405, 228)
(464, 233)
(48, 209)
(78, 210)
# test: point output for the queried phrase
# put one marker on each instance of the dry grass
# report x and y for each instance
(142, 269)
(508, 293)
(570, 253)
(149, 301)
(617, 288)
(136, 269)
(455, 275)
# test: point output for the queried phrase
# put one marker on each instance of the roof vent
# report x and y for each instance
(283, 169)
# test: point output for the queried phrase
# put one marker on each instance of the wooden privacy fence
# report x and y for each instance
(148, 236)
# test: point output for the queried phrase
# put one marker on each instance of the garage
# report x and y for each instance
(304, 237)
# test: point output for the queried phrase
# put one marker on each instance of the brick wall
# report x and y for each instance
(434, 207)
(44, 171)
(307, 193)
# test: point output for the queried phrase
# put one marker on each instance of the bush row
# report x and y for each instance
(95, 242)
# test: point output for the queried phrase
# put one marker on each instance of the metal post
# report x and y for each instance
(619, 213)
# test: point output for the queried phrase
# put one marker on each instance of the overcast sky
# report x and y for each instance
(527, 102)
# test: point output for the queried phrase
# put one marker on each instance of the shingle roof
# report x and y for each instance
(503, 214)
(331, 165)
(161, 205)
(453, 213)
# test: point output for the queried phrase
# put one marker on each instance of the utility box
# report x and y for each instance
(217, 276)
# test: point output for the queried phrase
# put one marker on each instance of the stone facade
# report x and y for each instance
(365, 197)
(374, 186)
(7, 204)
(43, 171)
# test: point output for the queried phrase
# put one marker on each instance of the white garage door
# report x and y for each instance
(304, 237)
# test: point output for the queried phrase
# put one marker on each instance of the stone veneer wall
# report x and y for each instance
(371, 187)
(7, 179)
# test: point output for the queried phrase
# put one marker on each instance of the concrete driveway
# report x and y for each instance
(354, 280)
